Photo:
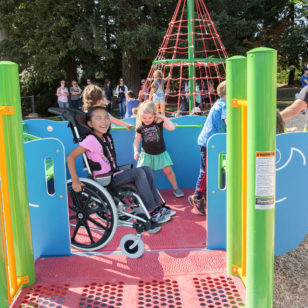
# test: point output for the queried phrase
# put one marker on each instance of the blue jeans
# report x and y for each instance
(76, 104)
(143, 179)
(63, 104)
(122, 107)
(200, 189)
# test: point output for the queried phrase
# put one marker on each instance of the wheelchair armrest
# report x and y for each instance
(125, 167)
(104, 179)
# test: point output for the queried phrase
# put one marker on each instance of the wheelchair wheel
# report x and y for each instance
(93, 216)
(132, 246)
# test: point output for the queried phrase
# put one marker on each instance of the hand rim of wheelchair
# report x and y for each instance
(102, 194)
(129, 240)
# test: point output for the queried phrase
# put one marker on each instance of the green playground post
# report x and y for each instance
(236, 77)
(261, 137)
(16, 171)
(4, 298)
(191, 50)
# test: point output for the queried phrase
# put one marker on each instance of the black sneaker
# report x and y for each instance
(198, 204)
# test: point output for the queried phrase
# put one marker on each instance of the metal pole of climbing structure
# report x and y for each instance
(261, 171)
(191, 51)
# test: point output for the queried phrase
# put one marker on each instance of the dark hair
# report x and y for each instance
(130, 94)
(90, 112)
(106, 81)
(107, 141)
(280, 124)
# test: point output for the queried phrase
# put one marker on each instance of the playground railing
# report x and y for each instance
(16, 256)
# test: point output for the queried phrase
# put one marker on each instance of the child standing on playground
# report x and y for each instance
(149, 129)
(94, 96)
(131, 103)
(215, 123)
(158, 91)
(99, 147)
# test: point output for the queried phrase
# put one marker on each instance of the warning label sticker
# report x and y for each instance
(265, 180)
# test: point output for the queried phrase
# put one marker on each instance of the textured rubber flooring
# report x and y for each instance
(182, 279)
(185, 230)
(175, 271)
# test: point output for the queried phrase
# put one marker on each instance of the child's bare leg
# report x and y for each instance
(171, 176)
(162, 109)
(157, 107)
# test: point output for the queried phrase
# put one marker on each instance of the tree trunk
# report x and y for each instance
(71, 70)
(291, 77)
(292, 12)
(131, 71)
(3, 33)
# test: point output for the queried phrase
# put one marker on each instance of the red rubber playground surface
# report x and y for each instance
(175, 271)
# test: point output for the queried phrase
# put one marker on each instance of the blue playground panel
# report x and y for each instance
(49, 221)
(291, 216)
(124, 138)
(48, 207)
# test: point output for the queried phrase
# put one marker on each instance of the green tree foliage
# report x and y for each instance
(50, 39)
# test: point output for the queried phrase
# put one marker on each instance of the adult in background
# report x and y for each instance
(108, 94)
(89, 82)
(75, 95)
(121, 90)
(62, 93)
(304, 78)
(300, 104)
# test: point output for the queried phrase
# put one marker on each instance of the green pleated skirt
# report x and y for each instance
(156, 162)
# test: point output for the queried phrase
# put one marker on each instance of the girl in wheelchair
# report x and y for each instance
(99, 148)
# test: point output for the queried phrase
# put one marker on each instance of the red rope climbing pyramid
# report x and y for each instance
(193, 54)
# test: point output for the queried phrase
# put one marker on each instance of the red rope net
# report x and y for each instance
(207, 74)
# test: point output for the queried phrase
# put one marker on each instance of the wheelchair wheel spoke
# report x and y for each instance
(72, 208)
(89, 232)
(73, 217)
(76, 199)
(96, 223)
(76, 230)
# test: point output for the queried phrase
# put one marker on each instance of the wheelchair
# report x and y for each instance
(97, 211)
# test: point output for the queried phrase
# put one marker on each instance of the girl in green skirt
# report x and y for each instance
(149, 129)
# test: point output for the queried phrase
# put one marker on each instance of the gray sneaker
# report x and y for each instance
(159, 217)
(168, 211)
(178, 193)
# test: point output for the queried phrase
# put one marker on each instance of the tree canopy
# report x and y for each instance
(53, 40)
